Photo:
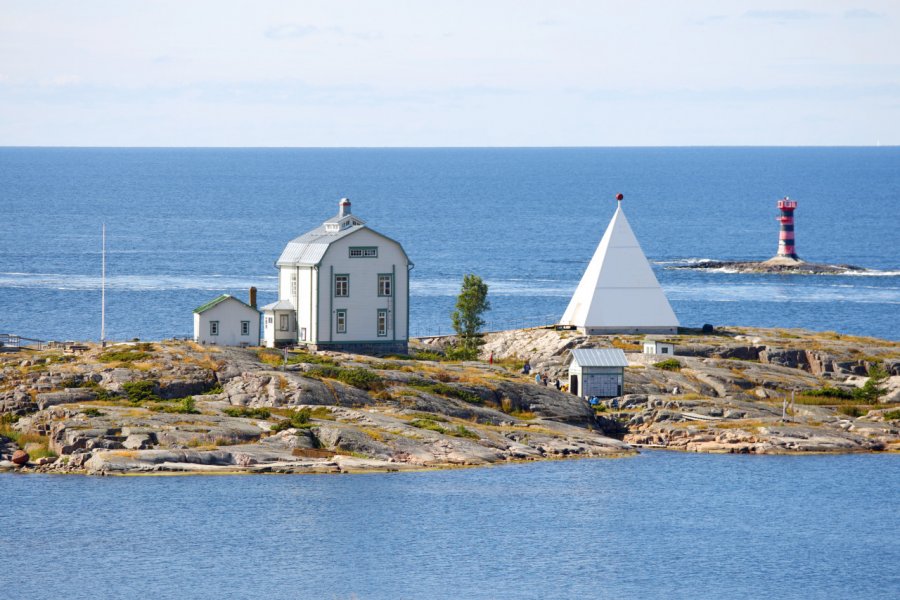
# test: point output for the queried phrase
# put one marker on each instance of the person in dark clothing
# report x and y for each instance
(526, 368)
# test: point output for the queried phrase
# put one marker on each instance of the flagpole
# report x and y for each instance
(103, 289)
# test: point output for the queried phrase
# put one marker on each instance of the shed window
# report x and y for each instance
(341, 320)
(341, 286)
(245, 327)
(283, 322)
(213, 328)
(664, 350)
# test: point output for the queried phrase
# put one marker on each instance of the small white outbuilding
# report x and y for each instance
(654, 346)
(597, 372)
(227, 321)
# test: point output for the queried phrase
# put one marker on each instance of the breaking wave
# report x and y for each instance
(137, 283)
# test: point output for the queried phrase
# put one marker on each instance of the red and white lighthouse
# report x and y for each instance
(786, 246)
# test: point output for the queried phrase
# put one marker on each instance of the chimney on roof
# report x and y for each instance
(344, 205)
(253, 297)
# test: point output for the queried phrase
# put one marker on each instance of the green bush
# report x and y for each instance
(299, 419)
(892, 415)
(429, 355)
(248, 413)
(462, 353)
(92, 412)
(125, 356)
(187, 406)
(462, 432)
(357, 377)
(670, 364)
(141, 391)
(830, 392)
(442, 389)
(852, 410)
(429, 424)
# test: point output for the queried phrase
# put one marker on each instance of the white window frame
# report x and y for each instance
(213, 328)
(363, 251)
(381, 323)
(303, 334)
(385, 291)
(245, 327)
(341, 285)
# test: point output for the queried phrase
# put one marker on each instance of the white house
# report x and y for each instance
(597, 372)
(655, 346)
(341, 286)
(618, 292)
(227, 321)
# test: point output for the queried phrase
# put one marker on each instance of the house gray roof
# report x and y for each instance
(280, 305)
(219, 300)
(309, 248)
(600, 357)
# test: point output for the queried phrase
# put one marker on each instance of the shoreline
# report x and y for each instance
(177, 408)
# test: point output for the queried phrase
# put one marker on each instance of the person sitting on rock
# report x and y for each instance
(526, 368)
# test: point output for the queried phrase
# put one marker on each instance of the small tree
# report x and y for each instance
(471, 303)
(874, 388)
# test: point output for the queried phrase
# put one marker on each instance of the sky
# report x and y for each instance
(359, 73)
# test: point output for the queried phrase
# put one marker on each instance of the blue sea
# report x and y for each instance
(185, 225)
(660, 525)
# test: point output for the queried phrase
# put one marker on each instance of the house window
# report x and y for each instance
(294, 285)
(664, 350)
(270, 320)
(382, 322)
(363, 252)
(303, 334)
(245, 327)
(341, 320)
(341, 286)
(213, 328)
(283, 322)
(385, 284)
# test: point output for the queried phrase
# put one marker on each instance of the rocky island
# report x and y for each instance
(179, 407)
(779, 264)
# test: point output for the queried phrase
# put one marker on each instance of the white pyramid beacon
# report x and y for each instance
(619, 292)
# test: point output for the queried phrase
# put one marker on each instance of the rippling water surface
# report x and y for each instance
(187, 224)
(661, 525)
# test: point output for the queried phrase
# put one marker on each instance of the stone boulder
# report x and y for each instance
(20, 457)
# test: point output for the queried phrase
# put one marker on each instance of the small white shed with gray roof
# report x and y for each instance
(597, 372)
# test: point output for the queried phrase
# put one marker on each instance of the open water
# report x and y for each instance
(185, 225)
(660, 525)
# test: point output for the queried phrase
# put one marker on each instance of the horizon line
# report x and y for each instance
(423, 147)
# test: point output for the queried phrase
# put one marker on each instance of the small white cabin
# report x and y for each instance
(597, 372)
(652, 346)
(227, 321)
